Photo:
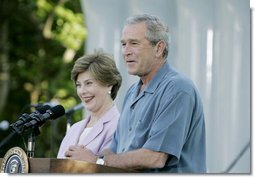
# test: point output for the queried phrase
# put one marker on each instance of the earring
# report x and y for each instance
(109, 92)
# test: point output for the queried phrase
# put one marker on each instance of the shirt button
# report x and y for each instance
(130, 129)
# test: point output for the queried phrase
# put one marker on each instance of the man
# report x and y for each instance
(161, 127)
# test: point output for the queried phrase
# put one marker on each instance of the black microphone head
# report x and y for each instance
(25, 118)
(56, 111)
(42, 109)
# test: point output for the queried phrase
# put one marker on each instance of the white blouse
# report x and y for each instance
(84, 134)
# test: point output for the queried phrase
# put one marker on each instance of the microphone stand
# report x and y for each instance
(7, 139)
(31, 141)
(34, 131)
(69, 113)
(69, 121)
(15, 131)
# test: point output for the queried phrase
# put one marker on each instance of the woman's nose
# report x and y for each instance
(82, 89)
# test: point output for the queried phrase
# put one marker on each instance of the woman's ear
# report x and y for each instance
(110, 88)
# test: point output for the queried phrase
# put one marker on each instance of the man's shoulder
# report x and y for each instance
(179, 81)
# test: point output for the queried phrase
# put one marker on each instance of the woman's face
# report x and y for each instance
(94, 96)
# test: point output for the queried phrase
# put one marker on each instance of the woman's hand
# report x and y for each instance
(79, 152)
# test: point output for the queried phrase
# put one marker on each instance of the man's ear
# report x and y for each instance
(160, 47)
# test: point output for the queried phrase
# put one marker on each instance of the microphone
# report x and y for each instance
(51, 104)
(52, 114)
(4, 125)
(24, 118)
(75, 108)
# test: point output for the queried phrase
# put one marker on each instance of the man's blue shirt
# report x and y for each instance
(166, 117)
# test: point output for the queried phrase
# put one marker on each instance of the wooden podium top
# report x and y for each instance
(52, 165)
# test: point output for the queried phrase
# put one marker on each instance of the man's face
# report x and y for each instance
(137, 51)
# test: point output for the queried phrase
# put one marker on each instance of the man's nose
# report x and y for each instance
(126, 50)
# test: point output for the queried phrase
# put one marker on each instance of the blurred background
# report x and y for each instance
(210, 43)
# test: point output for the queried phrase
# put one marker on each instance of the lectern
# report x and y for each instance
(51, 165)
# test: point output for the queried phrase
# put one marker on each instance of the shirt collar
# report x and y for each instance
(153, 84)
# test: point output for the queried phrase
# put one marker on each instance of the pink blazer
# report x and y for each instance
(98, 139)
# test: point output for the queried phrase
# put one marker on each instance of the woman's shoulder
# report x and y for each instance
(78, 124)
(112, 115)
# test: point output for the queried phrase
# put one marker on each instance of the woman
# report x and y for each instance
(97, 82)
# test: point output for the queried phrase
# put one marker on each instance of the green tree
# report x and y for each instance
(39, 41)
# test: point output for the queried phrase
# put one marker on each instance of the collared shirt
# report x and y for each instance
(166, 117)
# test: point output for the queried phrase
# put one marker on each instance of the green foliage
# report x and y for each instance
(44, 38)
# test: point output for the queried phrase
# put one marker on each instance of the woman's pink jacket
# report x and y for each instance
(98, 139)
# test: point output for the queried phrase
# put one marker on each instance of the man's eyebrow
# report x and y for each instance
(130, 40)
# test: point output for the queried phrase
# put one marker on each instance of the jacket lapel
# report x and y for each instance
(95, 131)
(77, 133)
(98, 128)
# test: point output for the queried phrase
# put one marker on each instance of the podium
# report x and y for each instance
(52, 165)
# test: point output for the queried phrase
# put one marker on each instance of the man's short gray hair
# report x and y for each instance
(156, 29)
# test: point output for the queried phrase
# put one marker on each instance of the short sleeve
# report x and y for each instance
(170, 127)
(113, 145)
